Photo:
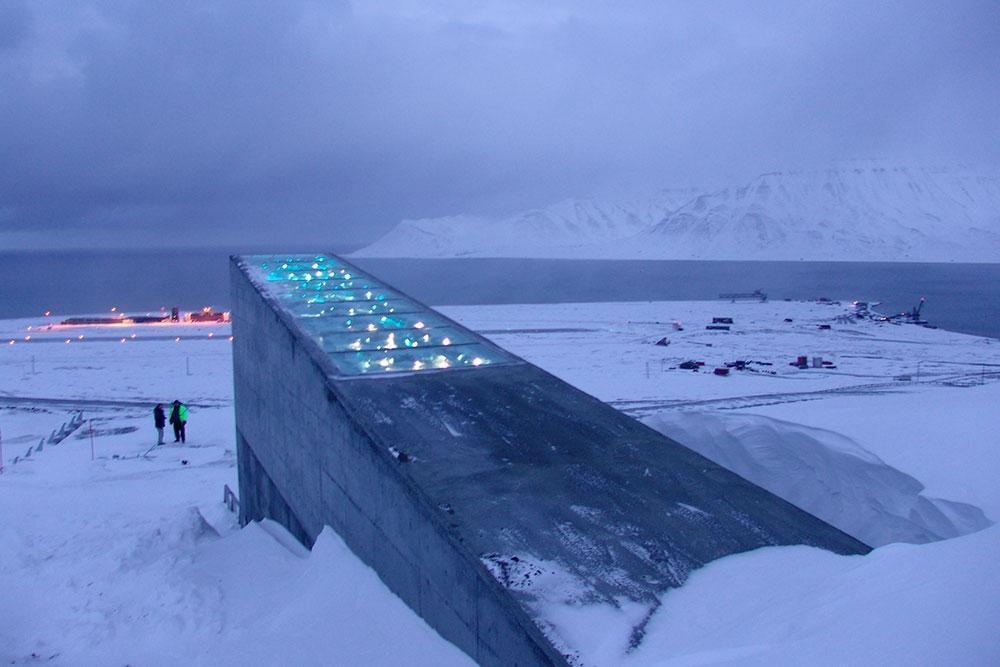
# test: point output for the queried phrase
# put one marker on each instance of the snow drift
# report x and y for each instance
(824, 473)
(900, 605)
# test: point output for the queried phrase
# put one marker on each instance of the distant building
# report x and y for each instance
(477, 485)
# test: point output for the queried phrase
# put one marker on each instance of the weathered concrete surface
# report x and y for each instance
(460, 486)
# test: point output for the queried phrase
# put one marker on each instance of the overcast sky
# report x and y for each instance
(215, 123)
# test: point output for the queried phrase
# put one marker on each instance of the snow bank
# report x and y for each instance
(932, 604)
(177, 592)
(825, 473)
(289, 606)
(133, 559)
(902, 604)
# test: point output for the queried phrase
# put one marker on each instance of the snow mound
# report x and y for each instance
(286, 605)
(929, 604)
(114, 593)
(824, 473)
(169, 537)
(902, 604)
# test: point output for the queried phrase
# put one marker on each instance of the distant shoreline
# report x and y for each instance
(961, 297)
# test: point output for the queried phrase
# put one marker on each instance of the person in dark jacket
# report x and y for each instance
(159, 420)
(178, 418)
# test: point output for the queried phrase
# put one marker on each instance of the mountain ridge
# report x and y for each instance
(862, 211)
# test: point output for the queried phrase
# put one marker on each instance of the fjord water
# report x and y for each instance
(960, 297)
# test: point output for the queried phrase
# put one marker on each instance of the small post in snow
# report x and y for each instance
(32, 364)
(91, 423)
(1, 451)
(647, 370)
(187, 365)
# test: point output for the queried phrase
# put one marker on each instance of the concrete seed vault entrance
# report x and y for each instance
(479, 487)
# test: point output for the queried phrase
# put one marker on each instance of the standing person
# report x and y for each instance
(183, 414)
(178, 418)
(159, 420)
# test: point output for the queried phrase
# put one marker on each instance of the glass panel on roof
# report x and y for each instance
(376, 322)
(391, 340)
(325, 284)
(308, 309)
(365, 327)
(412, 360)
(345, 294)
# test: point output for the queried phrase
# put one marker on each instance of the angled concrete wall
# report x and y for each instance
(304, 463)
(432, 476)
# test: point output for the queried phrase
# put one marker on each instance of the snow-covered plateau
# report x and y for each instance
(118, 551)
(852, 211)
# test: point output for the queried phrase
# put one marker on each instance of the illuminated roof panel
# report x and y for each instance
(445, 336)
(364, 326)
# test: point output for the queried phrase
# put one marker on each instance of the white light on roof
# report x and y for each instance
(348, 314)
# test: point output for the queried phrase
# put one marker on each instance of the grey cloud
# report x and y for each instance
(236, 121)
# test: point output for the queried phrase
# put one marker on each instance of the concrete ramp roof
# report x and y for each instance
(504, 489)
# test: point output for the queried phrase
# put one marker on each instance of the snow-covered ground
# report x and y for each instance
(132, 558)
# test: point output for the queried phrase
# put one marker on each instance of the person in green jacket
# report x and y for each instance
(178, 419)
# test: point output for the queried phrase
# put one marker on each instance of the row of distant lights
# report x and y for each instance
(123, 340)
(114, 309)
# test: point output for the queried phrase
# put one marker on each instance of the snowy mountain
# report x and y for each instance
(568, 228)
(861, 210)
(865, 211)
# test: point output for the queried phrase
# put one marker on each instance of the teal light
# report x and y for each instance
(365, 327)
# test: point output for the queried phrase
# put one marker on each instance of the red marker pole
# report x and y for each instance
(91, 423)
